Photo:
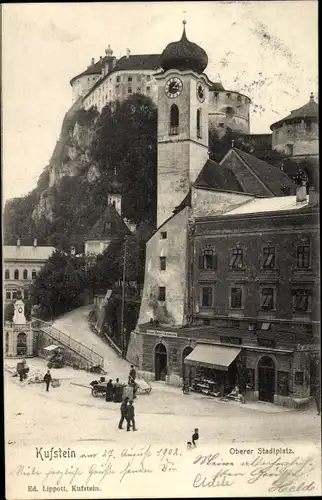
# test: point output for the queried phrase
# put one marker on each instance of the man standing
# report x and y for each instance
(109, 390)
(130, 416)
(47, 379)
(124, 412)
(132, 372)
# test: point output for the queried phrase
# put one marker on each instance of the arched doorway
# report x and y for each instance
(266, 379)
(186, 369)
(21, 344)
(160, 362)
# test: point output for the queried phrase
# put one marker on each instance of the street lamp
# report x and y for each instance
(123, 299)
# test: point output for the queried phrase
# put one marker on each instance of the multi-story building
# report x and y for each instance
(176, 322)
(21, 266)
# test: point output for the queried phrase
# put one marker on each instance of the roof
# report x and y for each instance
(186, 202)
(109, 225)
(215, 176)
(139, 62)
(274, 179)
(216, 86)
(15, 252)
(309, 110)
(94, 69)
(275, 204)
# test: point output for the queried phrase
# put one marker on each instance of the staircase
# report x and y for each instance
(80, 349)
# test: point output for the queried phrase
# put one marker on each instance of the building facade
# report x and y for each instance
(182, 330)
(21, 266)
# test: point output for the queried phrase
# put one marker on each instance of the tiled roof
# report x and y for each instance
(109, 225)
(275, 179)
(138, 61)
(14, 252)
(275, 204)
(309, 110)
(215, 176)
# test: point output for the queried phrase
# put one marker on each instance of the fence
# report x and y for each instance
(67, 341)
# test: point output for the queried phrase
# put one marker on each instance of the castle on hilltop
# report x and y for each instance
(110, 79)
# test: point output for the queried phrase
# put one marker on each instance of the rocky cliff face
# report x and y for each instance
(70, 158)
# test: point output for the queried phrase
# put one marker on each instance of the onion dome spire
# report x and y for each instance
(184, 55)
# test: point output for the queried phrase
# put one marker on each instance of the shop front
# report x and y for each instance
(216, 370)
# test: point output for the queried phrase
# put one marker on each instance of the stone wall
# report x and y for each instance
(206, 202)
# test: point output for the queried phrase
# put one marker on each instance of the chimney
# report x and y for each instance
(35, 242)
(101, 58)
(114, 62)
(301, 192)
(72, 250)
(313, 197)
(128, 53)
(92, 61)
(106, 68)
(18, 242)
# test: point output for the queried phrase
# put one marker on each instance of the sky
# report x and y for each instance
(266, 50)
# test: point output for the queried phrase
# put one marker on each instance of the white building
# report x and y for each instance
(21, 266)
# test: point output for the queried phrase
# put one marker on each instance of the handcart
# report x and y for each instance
(142, 386)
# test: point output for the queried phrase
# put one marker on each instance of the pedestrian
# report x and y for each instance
(117, 391)
(123, 412)
(195, 437)
(130, 416)
(109, 390)
(132, 373)
(47, 380)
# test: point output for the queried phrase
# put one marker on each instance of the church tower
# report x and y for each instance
(183, 92)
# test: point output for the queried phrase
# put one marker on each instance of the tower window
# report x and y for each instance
(163, 235)
(33, 274)
(163, 263)
(174, 120)
(161, 293)
(25, 274)
(7, 274)
(199, 123)
(148, 89)
(129, 90)
(16, 274)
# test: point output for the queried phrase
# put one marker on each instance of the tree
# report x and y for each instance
(9, 311)
(124, 146)
(61, 283)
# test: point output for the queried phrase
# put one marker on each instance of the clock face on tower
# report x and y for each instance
(200, 92)
(173, 87)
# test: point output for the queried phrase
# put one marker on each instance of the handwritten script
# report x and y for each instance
(174, 471)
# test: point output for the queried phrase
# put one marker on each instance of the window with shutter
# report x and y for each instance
(301, 300)
(237, 259)
(267, 298)
(269, 258)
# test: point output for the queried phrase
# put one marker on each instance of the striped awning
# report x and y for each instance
(212, 356)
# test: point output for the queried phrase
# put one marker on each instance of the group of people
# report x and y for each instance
(114, 391)
(128, 414)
